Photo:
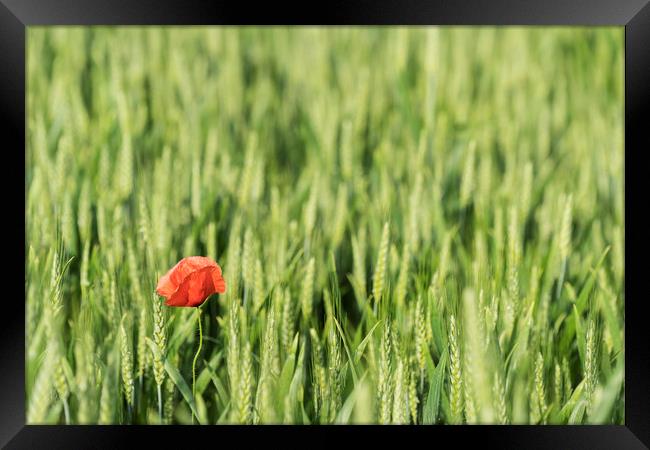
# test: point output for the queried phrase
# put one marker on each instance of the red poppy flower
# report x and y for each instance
(191, 282)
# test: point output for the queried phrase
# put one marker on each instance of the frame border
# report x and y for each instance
(634, 15)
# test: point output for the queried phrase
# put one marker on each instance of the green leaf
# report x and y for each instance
(204, 377)
(224, 415)
(436, 330)
(602, 409)
(345, 412)
(221, 389)
(432, 406)
(576, 395)
(581, 302)
(362, 345)
(287, 370)
(580, 335)
(200, 407)
(355, 379)
(578, 412)
(182, 386)
(612, 321)
(296, 382)
(179, 381)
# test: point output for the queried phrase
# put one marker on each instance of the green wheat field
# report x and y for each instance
(416, 225)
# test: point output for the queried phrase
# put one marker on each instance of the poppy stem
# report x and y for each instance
(195, 358)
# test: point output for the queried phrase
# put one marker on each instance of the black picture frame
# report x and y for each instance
(634, 15)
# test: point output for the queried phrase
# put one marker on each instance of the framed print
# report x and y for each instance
(338, 219)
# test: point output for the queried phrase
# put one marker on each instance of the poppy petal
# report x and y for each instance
(219, 282)
(179, 297)
(191, 281)
(189, 265)
(200, 287)
(169, 283)
(165, 286)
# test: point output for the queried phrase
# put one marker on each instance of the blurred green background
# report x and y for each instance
(416, 225)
